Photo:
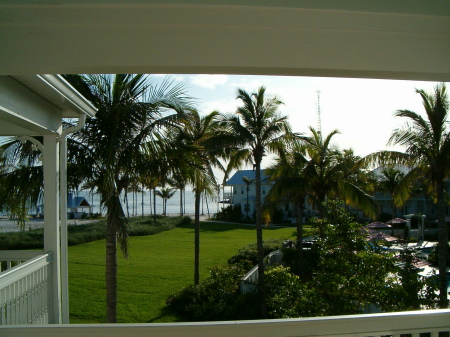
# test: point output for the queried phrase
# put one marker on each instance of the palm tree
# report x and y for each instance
(247, 182)
(427, 142)
(179, 180)
(203, 140)
(108, 152)
(131, 113)
(258, 129)
(290, 182)
(390, 180)
(332, 173)
(21, 176)
(165, 194)
(14, 184)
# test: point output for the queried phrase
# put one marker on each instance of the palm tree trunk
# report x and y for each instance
(202, 206)
(154, 204)
(181, 202)
(259, 243)
(111, 274)
(223, 197)
(443, 245)
(132, 197)
(247, 205)
(111, 261)
(150, 201)
(300, 214)
(126, 203)
(197, 239)
(142, 201)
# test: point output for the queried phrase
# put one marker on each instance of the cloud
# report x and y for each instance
(224, 106)
(208, 81)
(247, 83)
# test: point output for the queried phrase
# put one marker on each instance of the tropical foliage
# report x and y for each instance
(346, 275)
(335, 174)
(203, 139)
(426, 139)
(257, 129)
(314, 169)
(165, 194)
(390, 180)
(113, 150)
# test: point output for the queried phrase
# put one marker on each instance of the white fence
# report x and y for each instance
(250, 280)
(413, 323)
(24, 287)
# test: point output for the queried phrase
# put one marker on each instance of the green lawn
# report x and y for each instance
(158, 265)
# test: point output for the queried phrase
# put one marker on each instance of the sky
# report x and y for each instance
(360, 109)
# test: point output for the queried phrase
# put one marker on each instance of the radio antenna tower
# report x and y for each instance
(319, 121)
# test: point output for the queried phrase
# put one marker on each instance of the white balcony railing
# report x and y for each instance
(413, 323)
(250, 280)
(24, 287)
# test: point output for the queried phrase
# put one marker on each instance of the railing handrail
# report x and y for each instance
(267, 261)
(352, 325)
(17, 255)
(249, 273)
(20, 271)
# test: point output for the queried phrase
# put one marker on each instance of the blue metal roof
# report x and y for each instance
(236, 179)
(76, 202)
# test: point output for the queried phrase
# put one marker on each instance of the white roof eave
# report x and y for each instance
(60, 93)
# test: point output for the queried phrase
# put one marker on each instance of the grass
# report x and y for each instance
(158, 266)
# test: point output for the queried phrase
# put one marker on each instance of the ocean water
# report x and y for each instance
(139, 203)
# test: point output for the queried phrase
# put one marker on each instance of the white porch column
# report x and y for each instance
(51, 221)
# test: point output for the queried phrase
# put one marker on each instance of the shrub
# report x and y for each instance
(216, 298)
(95, 216)
(284, 292)
(79, 234)
(33, 239)
(230, 213)
(248, 255)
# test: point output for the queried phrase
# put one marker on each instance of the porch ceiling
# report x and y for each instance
(403, 39)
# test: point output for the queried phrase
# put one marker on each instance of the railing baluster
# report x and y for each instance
(23, 293)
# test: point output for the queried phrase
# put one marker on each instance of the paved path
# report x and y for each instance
(7, 225)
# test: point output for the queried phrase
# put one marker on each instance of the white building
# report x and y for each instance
(244, 195)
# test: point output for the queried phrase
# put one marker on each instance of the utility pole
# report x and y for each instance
(319, 121)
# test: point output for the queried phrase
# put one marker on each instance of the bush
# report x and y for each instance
(230, 213)
(284, 292)
(33, 239)
(248, 255)
(216, 298)
(95, 216)
(79, 234)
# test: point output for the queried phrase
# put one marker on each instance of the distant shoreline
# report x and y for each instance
(7, 225)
